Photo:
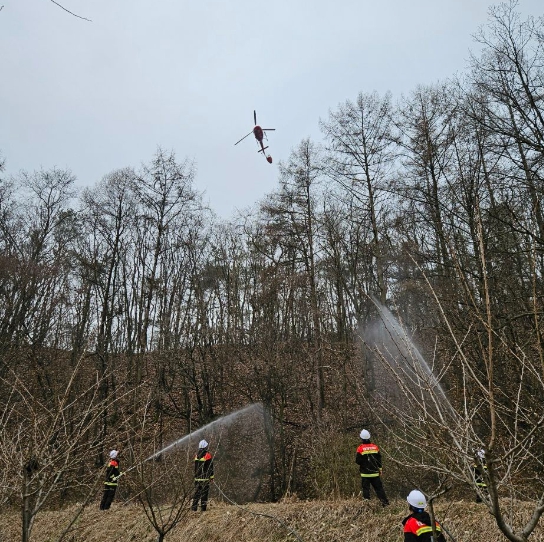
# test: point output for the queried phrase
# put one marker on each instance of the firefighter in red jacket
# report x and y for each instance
(203, 476)
(417, 526)
(110, 484)
(369, 459)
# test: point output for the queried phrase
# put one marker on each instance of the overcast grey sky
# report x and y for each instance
(186, 76)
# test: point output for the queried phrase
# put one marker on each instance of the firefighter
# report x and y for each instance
(110, 484)
(203, 476)
(417, 526)
(369, 459)
(479, 468)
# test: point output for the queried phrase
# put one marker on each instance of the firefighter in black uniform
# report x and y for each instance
(369, 459)
(203, 476)
(110, 484)
(479, 468)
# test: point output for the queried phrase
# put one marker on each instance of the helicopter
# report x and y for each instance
(259, 134)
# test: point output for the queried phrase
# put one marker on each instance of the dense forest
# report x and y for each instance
(131, 316)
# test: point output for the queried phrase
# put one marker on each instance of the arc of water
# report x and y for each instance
(224, 420)
(419, 364)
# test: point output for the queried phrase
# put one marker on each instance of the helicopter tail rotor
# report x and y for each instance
(255, 117)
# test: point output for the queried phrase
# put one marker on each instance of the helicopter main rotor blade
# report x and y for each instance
(255, 117)
(244, 137)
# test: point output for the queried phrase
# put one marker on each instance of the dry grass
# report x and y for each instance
(314, 521)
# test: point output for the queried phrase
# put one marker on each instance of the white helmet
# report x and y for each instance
(481, 453)
(114, 454)
(365, 435)
(416, 499)
(203, 444)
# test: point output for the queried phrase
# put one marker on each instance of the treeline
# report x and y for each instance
(431, 204)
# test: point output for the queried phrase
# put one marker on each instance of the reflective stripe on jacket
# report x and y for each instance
(480, 473)
(417, 528)
(112, 473)
(369, 459)
(203, 466)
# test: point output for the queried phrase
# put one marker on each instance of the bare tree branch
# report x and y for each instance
(67, 10)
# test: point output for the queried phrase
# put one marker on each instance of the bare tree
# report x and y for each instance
(294, 226)
(48, 449)
(162, 481)
(506, 82)
(109, 218)
(68, 11)
(34, 208)
(437, 434)
(361, 152)
(166, 197)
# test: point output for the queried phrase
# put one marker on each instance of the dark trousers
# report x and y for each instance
(376, 483)
(107, 497)
(202, 490)
(483, 488)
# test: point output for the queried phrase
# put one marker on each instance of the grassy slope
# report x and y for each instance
(314, 521)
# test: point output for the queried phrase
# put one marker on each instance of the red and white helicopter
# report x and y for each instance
(259, 134)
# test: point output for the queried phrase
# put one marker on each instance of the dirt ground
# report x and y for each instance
(290, 520)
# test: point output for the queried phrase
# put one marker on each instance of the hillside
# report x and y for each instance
(314, 521)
